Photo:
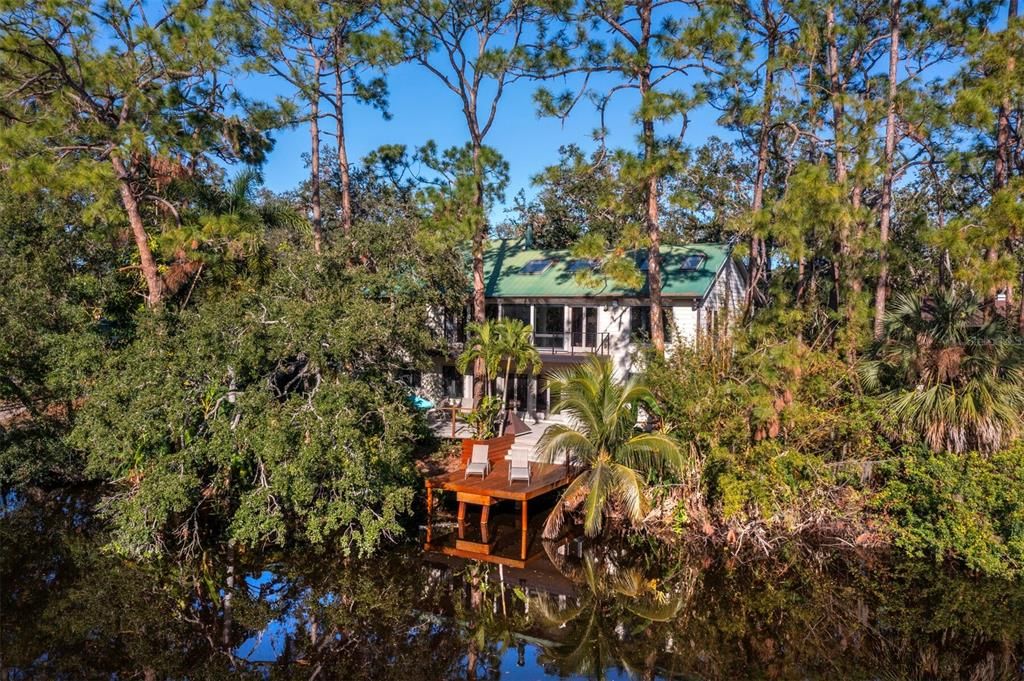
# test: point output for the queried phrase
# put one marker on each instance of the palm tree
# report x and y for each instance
(611, 599)
(484, 343)
(949, 373)
(515, 346)
(602, 439)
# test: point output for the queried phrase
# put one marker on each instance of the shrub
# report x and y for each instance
(966, 507)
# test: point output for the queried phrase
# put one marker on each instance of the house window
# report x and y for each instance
(550, 326)
(640, 322)
(520, 312)
(581, 266)
(543, 394)
(693, 262)
(411, 378)
(451, 383)
(491, 311)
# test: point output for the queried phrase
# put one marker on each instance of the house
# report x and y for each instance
(702, 286)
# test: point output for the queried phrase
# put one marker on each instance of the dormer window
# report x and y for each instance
(535, 266)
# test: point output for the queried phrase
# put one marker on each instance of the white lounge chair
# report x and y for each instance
(479, 461)
(519, 466)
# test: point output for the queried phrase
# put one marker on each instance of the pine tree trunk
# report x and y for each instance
(756, 243)
(314, 156)
(1004, 158)
(881, 288)
(150, 271)
(479, 242)
(343, 168)
(1004, 152)
(836, 91)
(651, 212)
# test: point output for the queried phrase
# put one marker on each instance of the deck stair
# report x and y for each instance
(528, 441)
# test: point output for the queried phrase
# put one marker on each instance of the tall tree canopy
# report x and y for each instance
(120, 99)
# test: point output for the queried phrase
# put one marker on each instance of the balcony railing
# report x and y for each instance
(566, 343)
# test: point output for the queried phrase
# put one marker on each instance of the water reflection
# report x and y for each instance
(71, 612)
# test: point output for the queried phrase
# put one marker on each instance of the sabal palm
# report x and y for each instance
(602, 439)
(948, 373)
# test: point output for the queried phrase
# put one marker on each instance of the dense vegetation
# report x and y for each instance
(222, 360)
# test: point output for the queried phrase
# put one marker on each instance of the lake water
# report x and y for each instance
(69, 611)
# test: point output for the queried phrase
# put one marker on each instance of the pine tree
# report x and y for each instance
(474, 50)
(109, 98)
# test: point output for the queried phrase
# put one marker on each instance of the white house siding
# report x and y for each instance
(614, 320)
(684, 317)
(725, 298)
(690, 318)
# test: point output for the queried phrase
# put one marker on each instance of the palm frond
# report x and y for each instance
(629, 490)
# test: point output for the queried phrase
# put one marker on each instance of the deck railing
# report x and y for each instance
(567, 343)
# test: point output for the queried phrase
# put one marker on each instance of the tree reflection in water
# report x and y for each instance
(70, 611)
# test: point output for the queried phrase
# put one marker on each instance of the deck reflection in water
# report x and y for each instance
(500, 541)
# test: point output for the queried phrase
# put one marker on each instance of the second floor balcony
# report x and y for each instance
(562, 330)
(572, 343)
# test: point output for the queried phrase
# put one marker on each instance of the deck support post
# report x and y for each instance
(525, 524)
(430, 512)
(485, 492)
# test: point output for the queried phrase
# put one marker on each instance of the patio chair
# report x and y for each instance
(519, 466)
(479, 461)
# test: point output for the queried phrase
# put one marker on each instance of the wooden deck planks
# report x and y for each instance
(544, 478)
(485, 491)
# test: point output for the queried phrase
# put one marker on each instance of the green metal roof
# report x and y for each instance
(505, 259)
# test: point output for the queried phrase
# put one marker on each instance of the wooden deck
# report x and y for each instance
(487, 491)
(544, 477)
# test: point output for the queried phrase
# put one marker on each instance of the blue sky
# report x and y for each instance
(423, 109)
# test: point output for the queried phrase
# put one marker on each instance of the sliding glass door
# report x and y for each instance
(584, 327)
(549, 326)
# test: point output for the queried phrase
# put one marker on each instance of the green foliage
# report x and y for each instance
(765, 481)
(267, 415)
(580, 196)
(747, 390)
(981, 230)
(484, 417)
(777, 426)
(952, 376)
(515, 345)
(63, 302)
(483, 344)
(500, 345)
(604, 441)
(968, 507)
(112, 103)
